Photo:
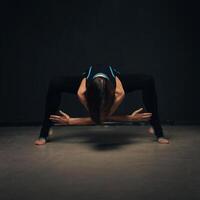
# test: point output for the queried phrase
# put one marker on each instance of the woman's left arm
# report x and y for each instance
(119, 96)
(137, 115)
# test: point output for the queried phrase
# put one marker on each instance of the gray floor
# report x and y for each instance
(108, 162)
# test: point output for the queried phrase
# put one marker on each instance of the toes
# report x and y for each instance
(40, 142)
(163, 141)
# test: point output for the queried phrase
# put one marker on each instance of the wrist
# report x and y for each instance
(69, 121)
(128, 117)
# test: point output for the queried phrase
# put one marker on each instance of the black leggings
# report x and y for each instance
(130, 82)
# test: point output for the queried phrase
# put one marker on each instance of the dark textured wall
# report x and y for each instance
(46, 38)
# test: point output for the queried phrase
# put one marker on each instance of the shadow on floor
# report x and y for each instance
(99, 140)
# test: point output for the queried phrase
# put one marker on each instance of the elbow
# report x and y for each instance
(80, 93)
(81, 96)
(123, 94)
(120, 94)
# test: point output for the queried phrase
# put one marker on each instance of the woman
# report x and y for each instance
(101, 89)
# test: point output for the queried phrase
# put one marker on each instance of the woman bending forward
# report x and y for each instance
(101, 89)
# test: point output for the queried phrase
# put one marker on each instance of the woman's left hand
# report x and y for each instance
(61, 119)
(138, 116)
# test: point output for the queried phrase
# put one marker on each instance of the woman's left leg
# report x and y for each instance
(146, 83)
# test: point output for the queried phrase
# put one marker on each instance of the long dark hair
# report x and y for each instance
(100, 96)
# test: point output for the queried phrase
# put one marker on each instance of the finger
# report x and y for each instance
(56, 120)
(55, 116)
(146, 118)
(53, 120)
(145, 115)
(137, 111)
(64, 114)
(142, 115)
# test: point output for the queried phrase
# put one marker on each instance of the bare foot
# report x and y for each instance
(163, 140)
(151, 131)
(40, 141)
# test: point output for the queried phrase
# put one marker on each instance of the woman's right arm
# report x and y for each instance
(81, 93)
(65, 119)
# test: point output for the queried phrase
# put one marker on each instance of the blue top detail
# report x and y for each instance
(111, 71)
(89, 72)
(107, 72)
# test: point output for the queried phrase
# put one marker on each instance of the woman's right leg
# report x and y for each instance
(57, 86)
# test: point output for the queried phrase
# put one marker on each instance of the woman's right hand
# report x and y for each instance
(138, 116)
(61, 119)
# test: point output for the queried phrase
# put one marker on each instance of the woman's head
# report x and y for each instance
(100, 96)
